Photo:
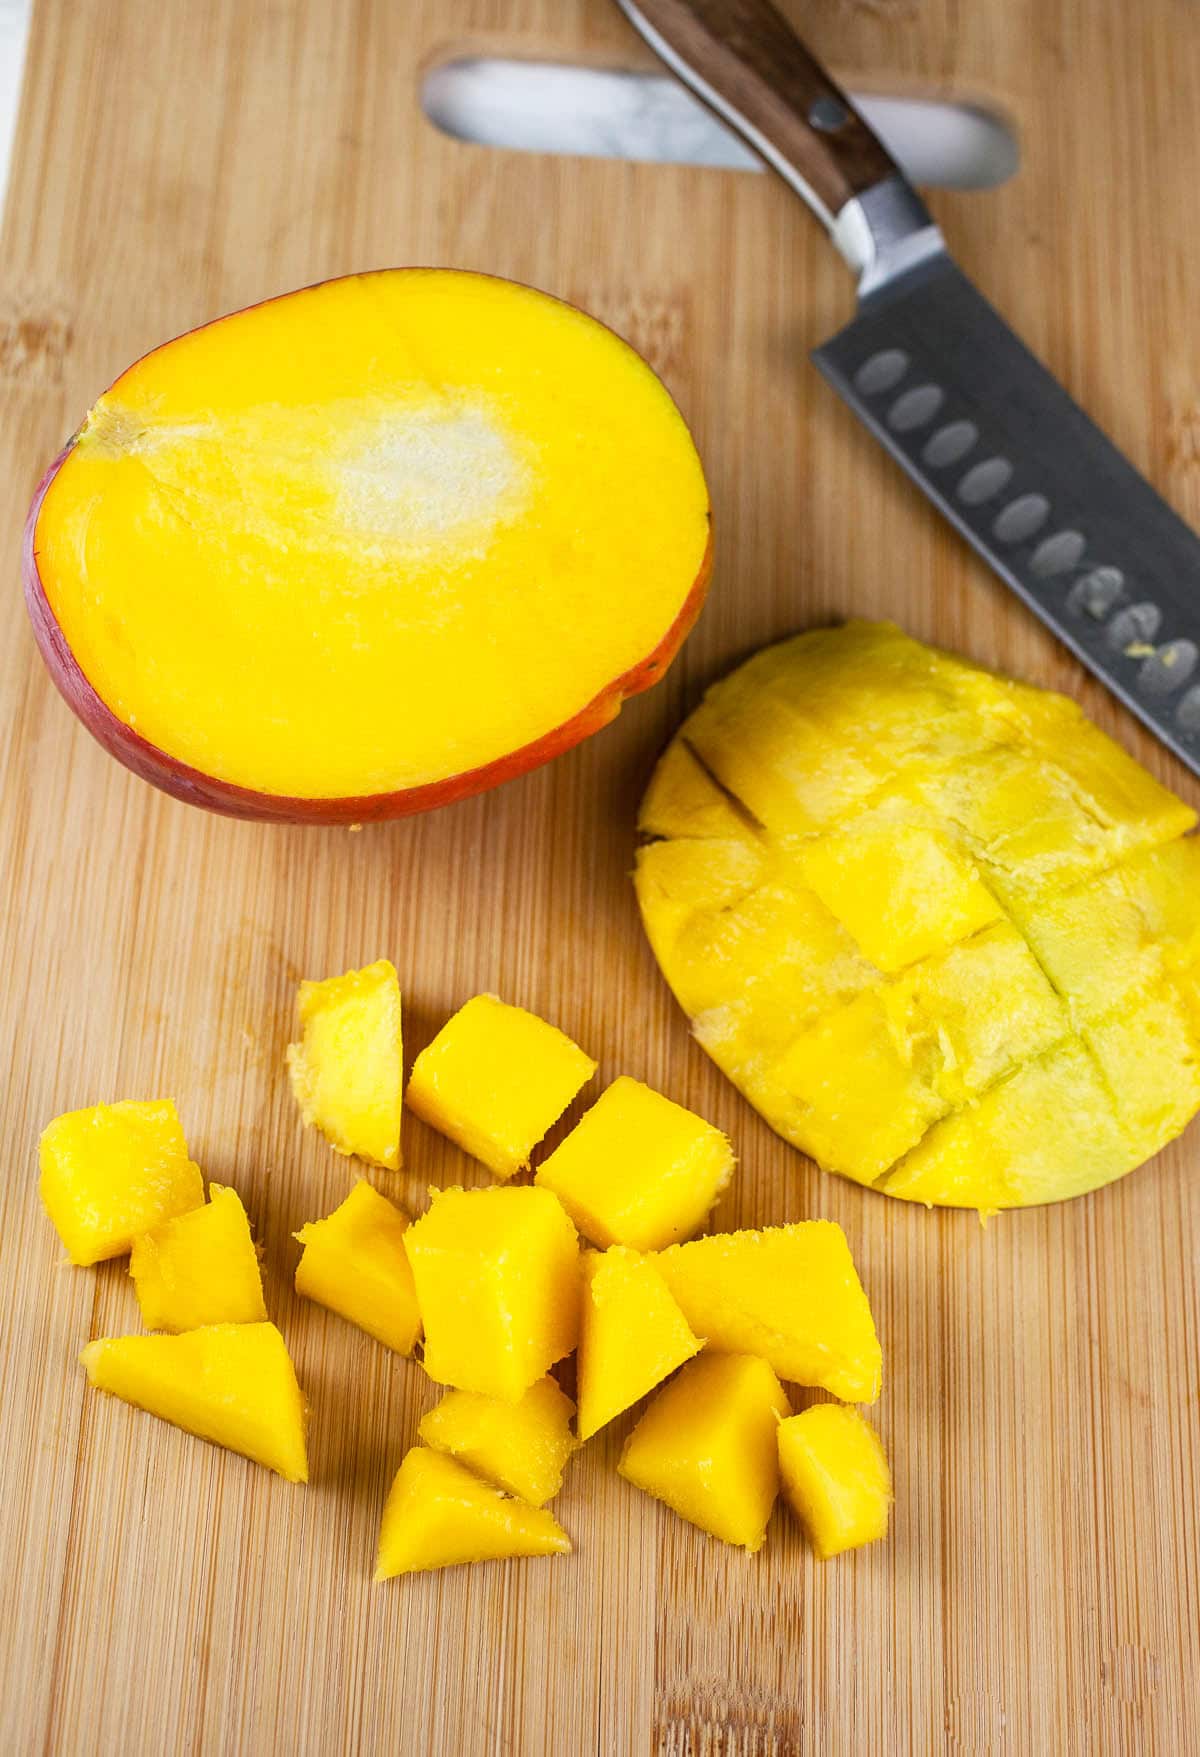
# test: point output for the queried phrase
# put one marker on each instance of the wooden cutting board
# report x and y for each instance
(1043, 1386)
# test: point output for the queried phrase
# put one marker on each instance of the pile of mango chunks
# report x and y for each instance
(494, 1287)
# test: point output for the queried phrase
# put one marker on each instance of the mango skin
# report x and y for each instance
(937, 928)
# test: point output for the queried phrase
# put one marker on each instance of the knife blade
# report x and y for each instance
(945, 385)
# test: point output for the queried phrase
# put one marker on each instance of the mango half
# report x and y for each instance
(368, 547)
(939, 929)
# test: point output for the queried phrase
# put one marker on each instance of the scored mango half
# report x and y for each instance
(939, 930)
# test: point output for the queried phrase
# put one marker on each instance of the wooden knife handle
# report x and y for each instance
(744, 59)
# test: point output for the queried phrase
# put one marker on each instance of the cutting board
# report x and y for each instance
(1042, 1396)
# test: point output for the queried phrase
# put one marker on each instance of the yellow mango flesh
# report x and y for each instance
(495, 1079)
(354, 1262)
(376, 533)
(632, 1334)
(233, 1384)
(200, 1268)
(835, 1477)
(522, 1447)
(347, 1071)
(497, 1279)
(438, 1514)
(707, 1446)
(638, 1170)
(788, 1293)
(936, 926)
(112, 1172)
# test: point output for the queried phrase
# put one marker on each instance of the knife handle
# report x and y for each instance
(743, 59)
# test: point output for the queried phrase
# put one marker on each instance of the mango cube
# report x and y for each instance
(347, 1070)
(497, 1279)
(439, 1514)
(790, 1294)
(707, 1446)
(113, 1171)
(835, 1477)
(199, 1268)
(638, 1170)
(521, 1447)
(496, 1079)
(233, 1384)
(632, 1334)
(354, 1262)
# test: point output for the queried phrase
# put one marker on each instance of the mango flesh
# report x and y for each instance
(707, 1446)
(521, 1447)
(788, 1293)
(347, 1071)
(113, 1171)
(438, 1514)
(497, 1279)
(835, 1477)
(638, 1169)
(632, 1335)
(199, 1268)
(495, 1079)
(936, 926)
(233, 1384)
(376, 535)
(354, 1262)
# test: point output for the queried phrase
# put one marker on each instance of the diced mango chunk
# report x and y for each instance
(199, 1268)
(354, 1262)
(496, 1079)
(497, 1279)
(233, 1384)
(835, 1477)
(439, 1514)
(638, 1169)
(347, 1070)
(707, 1446)
(790, 1294)
(632, 1334)
(113, 1171)
(521, 1447)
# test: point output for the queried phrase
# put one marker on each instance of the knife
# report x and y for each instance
(947, 387)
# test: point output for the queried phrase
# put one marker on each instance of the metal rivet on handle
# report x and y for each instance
(983, 481)
(1134, 628)
(1169, 668)
(1058, 554)
(1021, 518)
(883, 371)
(1098, 592)
(1187, 714)
(949, 444)
(914, 408)
(828, 114)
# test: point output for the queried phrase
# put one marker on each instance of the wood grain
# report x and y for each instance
(1043, 1393)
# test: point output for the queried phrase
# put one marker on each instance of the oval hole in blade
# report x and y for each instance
(598, 112)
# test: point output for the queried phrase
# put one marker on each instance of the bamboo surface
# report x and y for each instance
(1042, 1398)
